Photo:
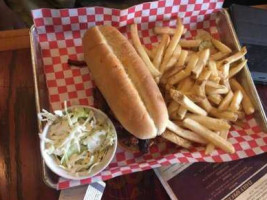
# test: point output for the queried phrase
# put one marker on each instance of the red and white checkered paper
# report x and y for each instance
(60, 33)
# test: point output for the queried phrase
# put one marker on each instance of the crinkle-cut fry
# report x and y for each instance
(173, 106)
(191, 63)
(205, 104)
(210, 122)
(236, 101)
(181, 112)
(174, 57)
(209, 135)
(226, 101)
(164, 30)
(186, 102)
(212, 67)
(238, 55)
(190, 43)
(218, 56)
(205, 75)
(173, 43)
(235, 69)
(227, 115)
(215, 98)
(159, 53)
(178, 77)
(186, 134)
(246, 102)
(220, 46)
(141, 51)
(182, 58)
(176, 139)
(211, 90)
(202, 61)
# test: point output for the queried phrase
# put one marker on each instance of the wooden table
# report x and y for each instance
(20, 160)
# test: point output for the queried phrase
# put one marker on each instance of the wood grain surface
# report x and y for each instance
(20, 159)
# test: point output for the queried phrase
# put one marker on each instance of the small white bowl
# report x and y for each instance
(51, 163)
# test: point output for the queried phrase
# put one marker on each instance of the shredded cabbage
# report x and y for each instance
(76, 138)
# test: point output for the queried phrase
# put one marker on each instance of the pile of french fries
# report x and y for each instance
(197, 78)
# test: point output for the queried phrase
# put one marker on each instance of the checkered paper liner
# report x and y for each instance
(60, 33)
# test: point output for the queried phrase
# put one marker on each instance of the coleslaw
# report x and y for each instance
(78, 139)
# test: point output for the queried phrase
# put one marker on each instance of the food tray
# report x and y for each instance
(49, 59)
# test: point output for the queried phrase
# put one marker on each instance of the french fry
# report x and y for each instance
(185, 133)
(174, 57)
(224, 134)
(202, 61)
(236, 100)
(215, 79)
(214, 85)
(211, 123)
(194, 97)
(227, 115)
(160, 51)
(235, 56)
(190, 43)
(178, 77)
(211, 90)
(205, 104)
(218, 56)
(185, 85)
(170, 72)
(226, 83)
(164, 30)
(225, 68)
(205, 75)
(237, 68)
(246, 102)
(220, 46)
(176, 139)
(186, 102)
(153, 50)
(241, 115)
(191, 63)
(213, 68)
(149, 52)
(209, 135)
(215, 98)
(140, 49)
(199, 88)
(181, 112)
(173, 43)
(182, 58)
(172, 107)
(226, 101)
(210, 147)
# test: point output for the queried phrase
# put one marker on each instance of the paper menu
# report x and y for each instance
(236, 180)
